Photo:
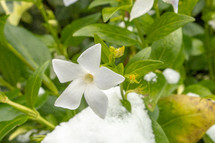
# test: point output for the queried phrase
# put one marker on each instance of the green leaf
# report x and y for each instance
(168, 49)
(25, 43)
(160, 136)
(207, 139)
(142, 67)
(105, 48)
(185, 119)
(144, 54)
(187, 6)
(109, 33)
(126, 104)
(33, 85)
(108, 12)
(143, 23)
(198, 89)
(166, 24)
(7, 126)
(68, 31)
(101, 2)
(10, 66)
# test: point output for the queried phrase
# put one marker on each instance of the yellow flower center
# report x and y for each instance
(88, 78)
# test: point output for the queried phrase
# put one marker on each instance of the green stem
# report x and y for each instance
(33, 114)
(48, 83)
(121, 91)
(60, 48)
(156, 8)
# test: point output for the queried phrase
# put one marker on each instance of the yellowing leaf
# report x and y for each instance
(185, 119)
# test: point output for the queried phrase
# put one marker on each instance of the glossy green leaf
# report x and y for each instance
(105, 49)
(141, 55)
(185, 119)
(166, 24)
(198, 89)
(160, 136)
(168, 49)
(142, 67)
(67, 33)
(108, 12)
(187, 6)
(33, 85)
(101, 2)
(7, 126)
(109, 33)
(126, 104)
(31, 48)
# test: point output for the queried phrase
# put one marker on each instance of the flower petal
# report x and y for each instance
(71, 97)
(69, 2)
(91, 58)
(140, 7)
(67, 71)
(97, 100)
(105, 78)
(174, 3)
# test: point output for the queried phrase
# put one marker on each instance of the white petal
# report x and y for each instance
(105, 78)
(91, 58)
(97, 100)
(71, 97)
(69, 2)
(174, 3)
(212, 23)
(140, 7)
(67, 71)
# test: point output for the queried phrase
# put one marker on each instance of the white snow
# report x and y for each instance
(211, 133)
(193, 94)
(171, 76)
(150, 77)
(119, 126)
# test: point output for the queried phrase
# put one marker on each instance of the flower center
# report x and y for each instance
(88, 78)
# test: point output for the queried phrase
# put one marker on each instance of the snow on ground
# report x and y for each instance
(119, 126)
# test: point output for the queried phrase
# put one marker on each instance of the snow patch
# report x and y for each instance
(171, 76)
(119, 126)
(150, 77)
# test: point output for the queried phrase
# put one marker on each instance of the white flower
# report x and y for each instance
(88, 79)
(212, 23)
(69, 2)
(119, 126)
(150, 77)
(141, 7)
(171, 76)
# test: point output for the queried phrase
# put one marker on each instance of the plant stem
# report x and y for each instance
(60, 48)
(121, 91)
(32, 113)
(156, 8)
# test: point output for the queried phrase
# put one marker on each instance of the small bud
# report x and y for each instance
(3, 98)
(117, 53)
(132, 78)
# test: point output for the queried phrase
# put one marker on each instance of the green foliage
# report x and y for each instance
(185, 119)
(7, 126)
(166, 24)
(33, 85)
(109, 33)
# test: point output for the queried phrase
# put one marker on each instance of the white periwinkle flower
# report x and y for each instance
(69, 2)
(88, 79)
(171, 76)
(141, 7)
